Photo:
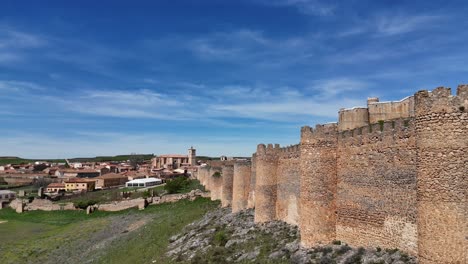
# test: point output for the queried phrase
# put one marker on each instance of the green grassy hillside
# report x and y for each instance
(129, 236)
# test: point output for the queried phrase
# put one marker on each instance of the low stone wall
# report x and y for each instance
(46, 205)
(122, 205)
(39, 204)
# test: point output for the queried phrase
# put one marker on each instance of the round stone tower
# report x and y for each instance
(442, 170)
(266, 183)
(241, 186)
(226, 189)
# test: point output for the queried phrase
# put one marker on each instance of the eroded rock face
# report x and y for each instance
(224, 237)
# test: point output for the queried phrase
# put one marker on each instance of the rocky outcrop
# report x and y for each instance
(224, 237)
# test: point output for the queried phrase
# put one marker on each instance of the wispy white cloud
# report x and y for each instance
(330, 88)
(12, 38)
(307, 7)
(255, 49)
(14, 44)
(19, 86)
(400, 24)
(391, 24)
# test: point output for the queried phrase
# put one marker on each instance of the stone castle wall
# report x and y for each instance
(253, 182)
(215, 182)
(318, 184)
(266, 182)
(288, 184)
(376, 190)
(442, 169)
(227, 185)
(241, 186)
(400, 182)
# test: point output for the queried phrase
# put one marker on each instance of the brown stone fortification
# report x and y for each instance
(215, 179)
(288, 182)
(318, 184)
(253, 182)
(442, 171)
(266, 183)
(392, 175)
(226, 188)
(241, 185)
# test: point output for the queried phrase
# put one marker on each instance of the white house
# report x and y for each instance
(146, 182)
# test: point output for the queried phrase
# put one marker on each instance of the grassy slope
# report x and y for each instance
(33, 235)
(150, 243)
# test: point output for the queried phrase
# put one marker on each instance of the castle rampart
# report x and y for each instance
(215, 182)
(397, 179)
(318, 179)
(390, 110)
(375, 112)
(253, 181)
(376, 191)
(226, 189)
(442, 166)
(241, 186)
(266, 182)
(288, 184)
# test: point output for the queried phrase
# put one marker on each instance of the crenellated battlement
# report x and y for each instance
(268, 149)
(320, 129)
(389, 175)
(441, 100)
(380, 129)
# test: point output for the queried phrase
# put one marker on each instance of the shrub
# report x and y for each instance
(343, 250)
(391, 251)
(146, 194)
(336, 242)
(326, 260)
(462, 108)
(326, 250)
(220, 238)
(381, 124)
(177, 185)
(356, 258)
(217, 174)
(404, 257)
(83, 204)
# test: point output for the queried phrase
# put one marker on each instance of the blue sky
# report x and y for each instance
(87, 78)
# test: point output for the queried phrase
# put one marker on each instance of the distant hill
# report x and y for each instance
(17, 160)
(112, 158)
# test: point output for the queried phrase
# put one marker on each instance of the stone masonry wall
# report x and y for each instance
(288, 182)
(202, 175)
(215, 183)
(398, 183)
(241, 186)
(266, 183)
(318, 184)
(253, 177)
(442, 167)
(226, 189)
(376, 191)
